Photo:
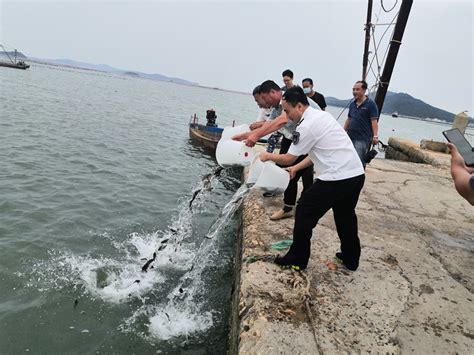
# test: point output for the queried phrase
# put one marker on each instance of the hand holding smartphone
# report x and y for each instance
(455, 137)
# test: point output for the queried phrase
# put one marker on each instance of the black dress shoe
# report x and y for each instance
(286, 262)
(349, 267)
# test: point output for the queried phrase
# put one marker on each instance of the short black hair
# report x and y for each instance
(268, 86)
(287, 72)
(295, 95)
(363, 82)
(256, 90)
(309, 80)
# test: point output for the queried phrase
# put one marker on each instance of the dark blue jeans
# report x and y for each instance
(361, 147)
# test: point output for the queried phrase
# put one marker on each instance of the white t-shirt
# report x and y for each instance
(328, 146)
(264, 114)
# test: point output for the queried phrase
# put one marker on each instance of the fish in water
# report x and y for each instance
(164, 241)
(76, 302)
(162, 247)
(206, 181)
(135, 282)
(196, 192)
(147, 264)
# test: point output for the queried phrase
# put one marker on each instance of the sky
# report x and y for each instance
(238, 44)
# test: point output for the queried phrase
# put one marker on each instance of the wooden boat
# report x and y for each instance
(206, 135)
(18, 65)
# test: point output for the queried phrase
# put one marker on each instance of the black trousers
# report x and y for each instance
(342, 197)
(289, 198)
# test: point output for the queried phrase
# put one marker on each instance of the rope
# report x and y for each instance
(337, 119)
(383, 7)
(306, 299)
(376, 49)
(6, 52)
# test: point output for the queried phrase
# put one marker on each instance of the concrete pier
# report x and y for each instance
(413, 291)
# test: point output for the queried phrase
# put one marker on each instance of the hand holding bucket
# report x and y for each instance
(230, 132)
(233, 153)
(268, 176)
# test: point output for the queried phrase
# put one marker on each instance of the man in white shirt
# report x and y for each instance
(341, 178)
(264, 110)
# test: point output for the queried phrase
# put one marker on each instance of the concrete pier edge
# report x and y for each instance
(412, 293)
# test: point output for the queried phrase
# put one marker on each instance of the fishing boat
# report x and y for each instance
(13, 61)
(395, 114)
(207, 135)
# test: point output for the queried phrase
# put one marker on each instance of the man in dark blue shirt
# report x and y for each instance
(362, 122)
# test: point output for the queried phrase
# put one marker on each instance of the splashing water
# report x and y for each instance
(118, 279)
(187, 302)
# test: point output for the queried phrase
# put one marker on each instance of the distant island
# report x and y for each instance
(108, 69)
(404, 105)
(401, 103)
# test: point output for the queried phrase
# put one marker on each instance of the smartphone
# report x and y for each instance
(464, 147)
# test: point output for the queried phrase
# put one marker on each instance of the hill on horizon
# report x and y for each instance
(405, 105)
(109, 69)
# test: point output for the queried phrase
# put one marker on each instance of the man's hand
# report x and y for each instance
(292, 171)
(264, 156)
(375, 140)
(252, 139)
(241, 137)
(255, 125)
(456, 158)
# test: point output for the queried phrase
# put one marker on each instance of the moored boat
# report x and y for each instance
(18, 65)
(207, 135)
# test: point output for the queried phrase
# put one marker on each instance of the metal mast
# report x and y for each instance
(395, 43)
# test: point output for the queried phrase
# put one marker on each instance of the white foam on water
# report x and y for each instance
(109, 279)
(178, 322)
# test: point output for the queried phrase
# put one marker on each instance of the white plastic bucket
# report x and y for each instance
(233, 153)
(272, 178)
(255, 170)
(229, 131)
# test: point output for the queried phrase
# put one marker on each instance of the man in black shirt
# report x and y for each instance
(313, 95)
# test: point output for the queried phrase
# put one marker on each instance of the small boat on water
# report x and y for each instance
(207, 135)
(395, 114)
(19, 65)
(10, 60)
